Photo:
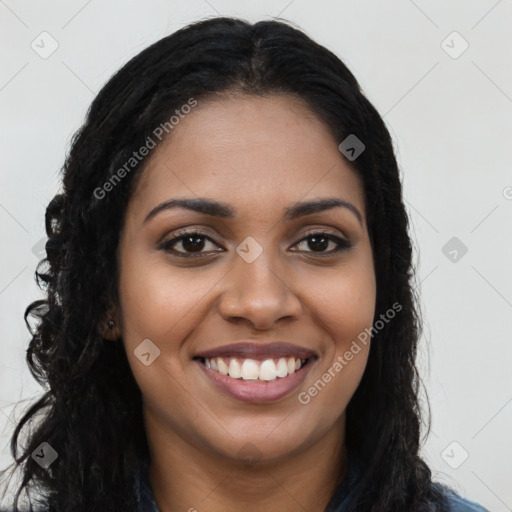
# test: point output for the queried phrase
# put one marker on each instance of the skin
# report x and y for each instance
(260, 155)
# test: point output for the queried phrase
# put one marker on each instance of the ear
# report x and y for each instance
(109, 327)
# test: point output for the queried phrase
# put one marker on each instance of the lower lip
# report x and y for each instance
(256, 390)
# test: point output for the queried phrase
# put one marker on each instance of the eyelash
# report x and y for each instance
(181, 235)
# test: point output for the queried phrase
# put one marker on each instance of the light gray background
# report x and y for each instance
(451, 121)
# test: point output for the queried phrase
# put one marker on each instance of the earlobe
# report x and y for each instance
(109, 328)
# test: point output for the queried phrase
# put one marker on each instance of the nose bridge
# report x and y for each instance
(257, 288)
(257, 276)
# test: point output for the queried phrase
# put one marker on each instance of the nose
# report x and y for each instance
(258, 293)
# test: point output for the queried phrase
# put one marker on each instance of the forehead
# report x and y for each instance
(257, 150)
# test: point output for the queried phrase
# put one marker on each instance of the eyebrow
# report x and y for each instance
(224, 210)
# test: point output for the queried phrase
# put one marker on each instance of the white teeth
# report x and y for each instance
(282, 368)
(234, 369)
(268, 370)
(251, 369)
(223, 367)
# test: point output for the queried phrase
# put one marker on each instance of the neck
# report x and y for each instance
(186, 478)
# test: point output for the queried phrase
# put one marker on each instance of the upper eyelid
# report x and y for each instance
(206, 234)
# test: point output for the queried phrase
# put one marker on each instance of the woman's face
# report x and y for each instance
(252, 275)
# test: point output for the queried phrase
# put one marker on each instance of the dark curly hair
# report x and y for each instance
(91, 411)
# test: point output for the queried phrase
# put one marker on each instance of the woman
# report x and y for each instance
(230, 322)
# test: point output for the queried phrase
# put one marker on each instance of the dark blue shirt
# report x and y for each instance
(147, 501)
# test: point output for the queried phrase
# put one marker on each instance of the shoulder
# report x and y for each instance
(456, 503)
(459, 504)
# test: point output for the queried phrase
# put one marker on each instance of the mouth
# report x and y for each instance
(256, 380)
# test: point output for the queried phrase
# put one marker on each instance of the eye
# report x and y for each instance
(318, 241)
(193, 243)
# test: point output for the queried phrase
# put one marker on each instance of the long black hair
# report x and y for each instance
(91, 410)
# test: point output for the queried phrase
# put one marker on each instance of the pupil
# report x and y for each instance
(322, 245)
(197, 244)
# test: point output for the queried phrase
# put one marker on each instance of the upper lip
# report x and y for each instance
(257, 350)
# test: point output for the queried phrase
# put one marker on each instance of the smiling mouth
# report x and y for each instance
(246, 369)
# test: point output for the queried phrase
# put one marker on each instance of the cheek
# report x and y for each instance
(330, 388)
(161, 306)
(344, 303)
(158, 303)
